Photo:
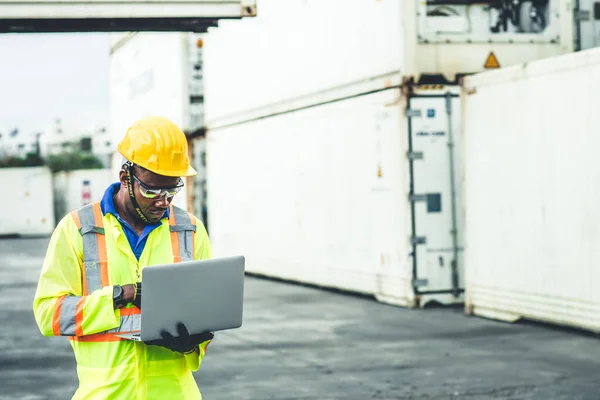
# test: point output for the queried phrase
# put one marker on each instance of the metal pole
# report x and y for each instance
(454, 230)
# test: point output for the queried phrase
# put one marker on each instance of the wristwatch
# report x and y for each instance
(118, 296)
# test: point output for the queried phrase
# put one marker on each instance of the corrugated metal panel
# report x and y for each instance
(296, 47)
(28, 205)
(532, 189)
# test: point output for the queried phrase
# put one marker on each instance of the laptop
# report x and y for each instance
(206, 295)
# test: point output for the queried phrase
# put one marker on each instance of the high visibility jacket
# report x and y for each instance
(88, 254)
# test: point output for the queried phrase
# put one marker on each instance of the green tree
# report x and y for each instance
(70, 161)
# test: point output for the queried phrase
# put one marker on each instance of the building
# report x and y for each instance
(58, 140)
(15, 143)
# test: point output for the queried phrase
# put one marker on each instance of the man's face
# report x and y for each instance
(143, 181)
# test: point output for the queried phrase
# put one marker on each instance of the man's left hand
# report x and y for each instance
(184, 343)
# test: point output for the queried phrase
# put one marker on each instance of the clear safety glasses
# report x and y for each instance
(154, 193)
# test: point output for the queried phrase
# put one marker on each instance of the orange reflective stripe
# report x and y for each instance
(174, 236)
(193, 221)
(75, 217)
(102, 254)
(130, 311)
(84, 280)
(56, 316)
(79, 317)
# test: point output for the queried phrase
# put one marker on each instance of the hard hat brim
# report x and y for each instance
(190, 172)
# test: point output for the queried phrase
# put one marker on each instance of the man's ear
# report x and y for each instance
(123, 178)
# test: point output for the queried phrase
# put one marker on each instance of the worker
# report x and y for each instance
(91, 279)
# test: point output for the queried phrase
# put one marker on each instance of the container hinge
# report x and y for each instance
(418, 240)
(413, 198)
(410, 113)
(415, 155)
(583, 15)
(420, 282)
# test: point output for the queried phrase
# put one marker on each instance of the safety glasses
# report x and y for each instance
(154, 193)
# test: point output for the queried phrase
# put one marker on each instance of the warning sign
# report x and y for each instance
(491, 61)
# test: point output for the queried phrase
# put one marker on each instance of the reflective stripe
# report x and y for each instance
(56, 316)
(182, 234)
(68, 316)
(97, 337)
(193, 237)
(90, 225)
(130, 322)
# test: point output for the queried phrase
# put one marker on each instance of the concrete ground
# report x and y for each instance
(303, 343)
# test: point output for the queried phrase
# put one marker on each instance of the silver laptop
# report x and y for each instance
(206, 295)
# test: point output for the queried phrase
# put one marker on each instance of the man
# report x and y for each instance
(90, 284)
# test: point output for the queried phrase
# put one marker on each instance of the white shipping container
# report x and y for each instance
(532, 186)
(28, 209)
(60, 9)
(74, 189)
(119, 15)
(321, 194)
(295, 48)
(156, 74)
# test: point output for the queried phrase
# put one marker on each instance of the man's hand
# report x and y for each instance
(137, 301)
(123, 295)
(128, 293)
(184, 343)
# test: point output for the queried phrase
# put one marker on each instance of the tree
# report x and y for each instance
(70, 161)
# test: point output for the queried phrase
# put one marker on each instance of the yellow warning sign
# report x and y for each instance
(491, 61)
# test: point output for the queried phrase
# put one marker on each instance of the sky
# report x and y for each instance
(48, 76)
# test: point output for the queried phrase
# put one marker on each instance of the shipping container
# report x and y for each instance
(295, 48)
(156, 74)
(119, 15)
(28, 205)
(331, 155)
(532, 184)
(74, 189)
(356, 194)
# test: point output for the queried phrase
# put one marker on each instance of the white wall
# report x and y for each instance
(532, 186)
(27, 205)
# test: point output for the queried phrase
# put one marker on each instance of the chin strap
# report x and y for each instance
(134, 202)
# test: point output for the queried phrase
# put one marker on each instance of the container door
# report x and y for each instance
(435, 193)
(588, 29)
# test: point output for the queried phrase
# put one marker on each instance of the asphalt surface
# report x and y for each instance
(304, 343)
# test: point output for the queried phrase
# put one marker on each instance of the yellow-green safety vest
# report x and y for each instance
(88, 253)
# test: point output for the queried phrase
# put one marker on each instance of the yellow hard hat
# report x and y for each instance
(157, 144)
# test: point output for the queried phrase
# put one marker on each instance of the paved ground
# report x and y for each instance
(302, 343)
